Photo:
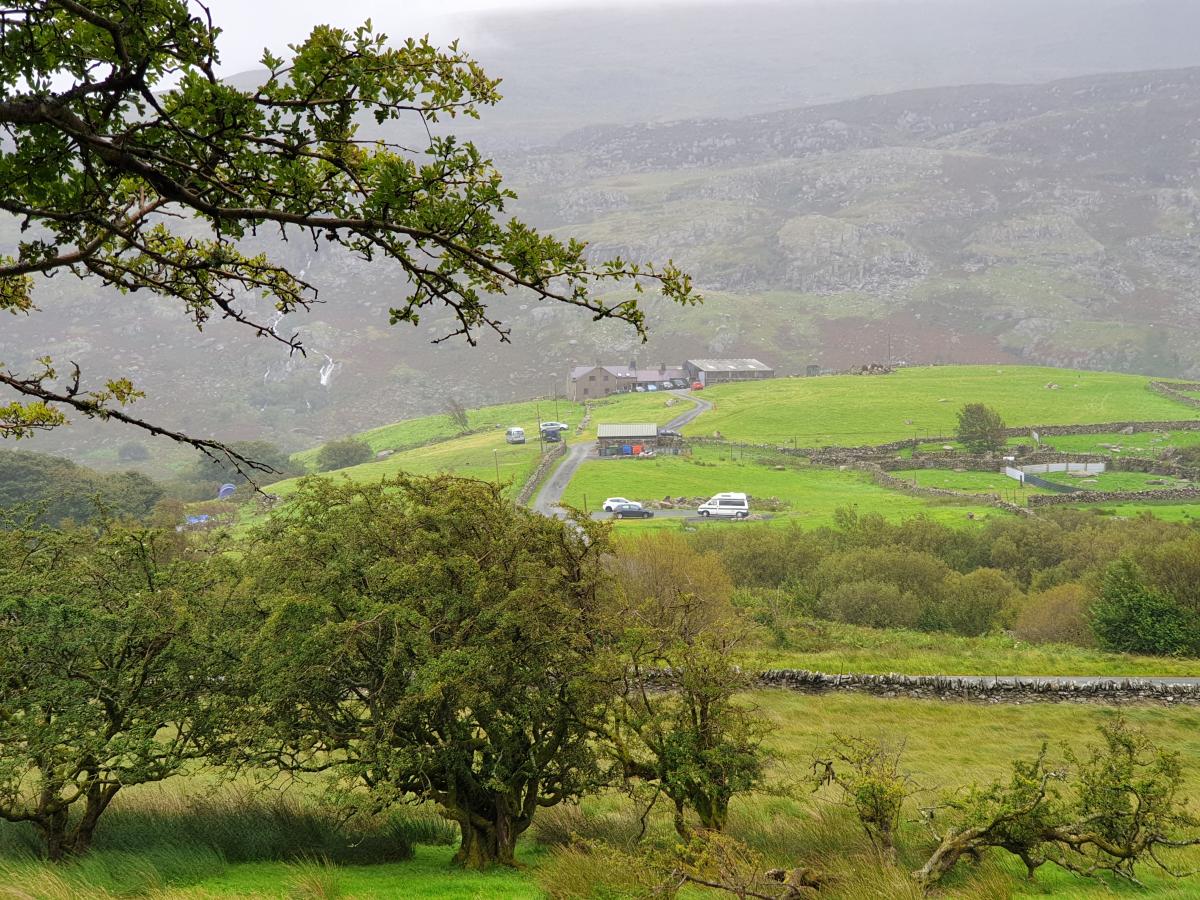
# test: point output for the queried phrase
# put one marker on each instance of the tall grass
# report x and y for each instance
(157, 839)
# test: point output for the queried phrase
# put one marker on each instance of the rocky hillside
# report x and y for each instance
(1054, 223)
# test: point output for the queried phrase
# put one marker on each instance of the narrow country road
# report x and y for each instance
(546, 500)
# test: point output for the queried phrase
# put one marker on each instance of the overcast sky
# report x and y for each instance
(251, 25)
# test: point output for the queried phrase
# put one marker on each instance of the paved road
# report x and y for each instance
(547, 499)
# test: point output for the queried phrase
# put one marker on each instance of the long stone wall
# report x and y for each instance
(1166, 495)
(1173, 390)
(985, 690)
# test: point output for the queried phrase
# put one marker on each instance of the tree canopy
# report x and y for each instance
(111, 673)
(117, 127)
(427, 639)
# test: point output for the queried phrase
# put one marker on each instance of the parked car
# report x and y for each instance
(669, 432)
(556, 426)
(639, 389)
(667, 385)
(613, 502)
(728, 505)
(680, 383)
(632, 511)
(652, 387)
(551, 435)
(515, 435)
(697, 385)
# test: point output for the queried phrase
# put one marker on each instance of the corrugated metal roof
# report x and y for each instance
(729, 365)
(659, 374)
(636, 430)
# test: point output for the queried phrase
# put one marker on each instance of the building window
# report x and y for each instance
(591, 378)
(585, 391)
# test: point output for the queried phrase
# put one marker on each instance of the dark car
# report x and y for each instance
(631, 511)
(669, 432)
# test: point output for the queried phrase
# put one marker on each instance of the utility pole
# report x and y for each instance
(496, 460)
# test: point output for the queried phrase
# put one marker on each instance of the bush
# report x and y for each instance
(978, 602)
(1058, 615)
(874, 603)
(343, 454)
(1130, 617)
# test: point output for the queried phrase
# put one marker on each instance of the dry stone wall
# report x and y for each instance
(985, 690)
(1173, 390)
(531, 486)
(1166, 495)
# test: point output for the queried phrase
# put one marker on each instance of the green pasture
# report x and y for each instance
(1141, 444)
(659, 407)
(812, 494)
(917, 402)
(946, 745)
(968, 482)
(1117, 481)
(474, 455)
(823, 646)
(414, 433)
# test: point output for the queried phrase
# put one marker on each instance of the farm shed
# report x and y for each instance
(613, 439)
(719, 371)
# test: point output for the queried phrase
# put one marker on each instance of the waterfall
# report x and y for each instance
(327, 370)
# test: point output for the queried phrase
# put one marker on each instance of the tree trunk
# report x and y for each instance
(54, 833)
(494, 844)
(713, 812)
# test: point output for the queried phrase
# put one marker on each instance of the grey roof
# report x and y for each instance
(636, 430)
(729, 365)
(660, 374)
(617, 371)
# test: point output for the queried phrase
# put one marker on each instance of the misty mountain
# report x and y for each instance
(1049, 223)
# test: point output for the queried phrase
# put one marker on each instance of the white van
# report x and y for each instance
(515, 435)
(730, 505)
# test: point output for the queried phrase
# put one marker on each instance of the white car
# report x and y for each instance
(554, 426)
(613, 502)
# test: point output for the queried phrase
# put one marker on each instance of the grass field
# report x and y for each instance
(659, 407)
(853, 410)
(834, 647)
(1118, 481)
(813, 494)
(968, 482)
(418, 432)
(474, 455)
(946, 744)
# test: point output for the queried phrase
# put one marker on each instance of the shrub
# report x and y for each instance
(1058, 615)
(874, 603)
(978, 602)
(1130, 617)
(343, 454)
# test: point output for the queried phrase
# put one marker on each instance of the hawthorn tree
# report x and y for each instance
(426, 639)
(112, 673)
(980, 428)
(129, 162)
(678, 724)
(1109, 809)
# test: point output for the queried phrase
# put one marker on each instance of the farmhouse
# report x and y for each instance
(591, 382)
(719, 371)
(625, 438)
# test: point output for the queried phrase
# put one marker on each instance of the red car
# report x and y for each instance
(697, 385)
